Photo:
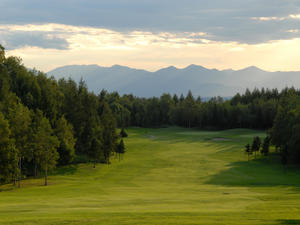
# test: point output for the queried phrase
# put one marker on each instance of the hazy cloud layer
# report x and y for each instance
(244, 21)
(14, 38)
(22, 39)
(141, 49)
(59, 36)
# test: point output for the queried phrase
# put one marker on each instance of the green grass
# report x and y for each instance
(168, 176)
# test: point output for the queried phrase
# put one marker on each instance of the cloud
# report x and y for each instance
(293, 16)
(289, 17)
(149, 50)
(268, 18)
(152, 34)
(293, 31)
(14, 39)
(59, 36)
(246, 21)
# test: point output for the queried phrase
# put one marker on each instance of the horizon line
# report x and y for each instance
(175, 67)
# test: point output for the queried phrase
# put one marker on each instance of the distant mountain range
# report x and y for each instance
(201, 81)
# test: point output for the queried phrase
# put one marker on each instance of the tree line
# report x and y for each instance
(44, 123)
(253, 109)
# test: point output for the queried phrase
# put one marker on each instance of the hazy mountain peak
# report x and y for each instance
(83, 66)
(252, 69)
(169, 68)
(116, 66)
(195, 67)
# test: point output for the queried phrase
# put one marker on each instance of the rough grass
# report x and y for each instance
(168, 176)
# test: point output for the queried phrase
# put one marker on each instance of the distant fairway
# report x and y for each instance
(168, 176)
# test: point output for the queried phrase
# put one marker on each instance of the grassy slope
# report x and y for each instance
(168, 176)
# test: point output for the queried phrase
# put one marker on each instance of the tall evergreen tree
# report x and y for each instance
(266, 145)
(96, 152)
(256, 145)
(109, 135)
(123, 133)
(248, 150)
(64, 132)
(2, 54)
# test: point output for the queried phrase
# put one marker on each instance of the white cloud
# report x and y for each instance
(274, 18)
(268, 18)
(293, 31)
(295, 16)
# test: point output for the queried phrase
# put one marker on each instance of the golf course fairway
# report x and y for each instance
(167, 176)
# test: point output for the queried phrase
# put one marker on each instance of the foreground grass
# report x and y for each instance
(168, 176)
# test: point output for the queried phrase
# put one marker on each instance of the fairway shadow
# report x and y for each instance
(208, 140)
(288, 222)
(260, 172)
(66, 170)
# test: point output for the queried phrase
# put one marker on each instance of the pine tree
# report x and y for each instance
(123, 133)
(95, 152)
(189, 109)
(256, 145)
(121, 148)
(265, 146)
(2, 54)
(248, 150)
(66, 150)
(109, 136)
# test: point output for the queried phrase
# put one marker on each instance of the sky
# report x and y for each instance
(151, 34)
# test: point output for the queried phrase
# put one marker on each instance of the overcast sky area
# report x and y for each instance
(151, 34)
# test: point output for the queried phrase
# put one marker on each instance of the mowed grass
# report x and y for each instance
(167, 176)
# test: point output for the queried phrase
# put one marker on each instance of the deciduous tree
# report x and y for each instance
(46, 145)
(8, 153)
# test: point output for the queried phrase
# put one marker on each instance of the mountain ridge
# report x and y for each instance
(200, 80)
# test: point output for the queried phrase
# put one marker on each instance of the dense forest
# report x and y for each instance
(44, 122)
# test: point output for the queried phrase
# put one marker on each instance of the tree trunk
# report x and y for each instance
(119, 157)
(46, 171)
(20, 173)
(35, 169)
